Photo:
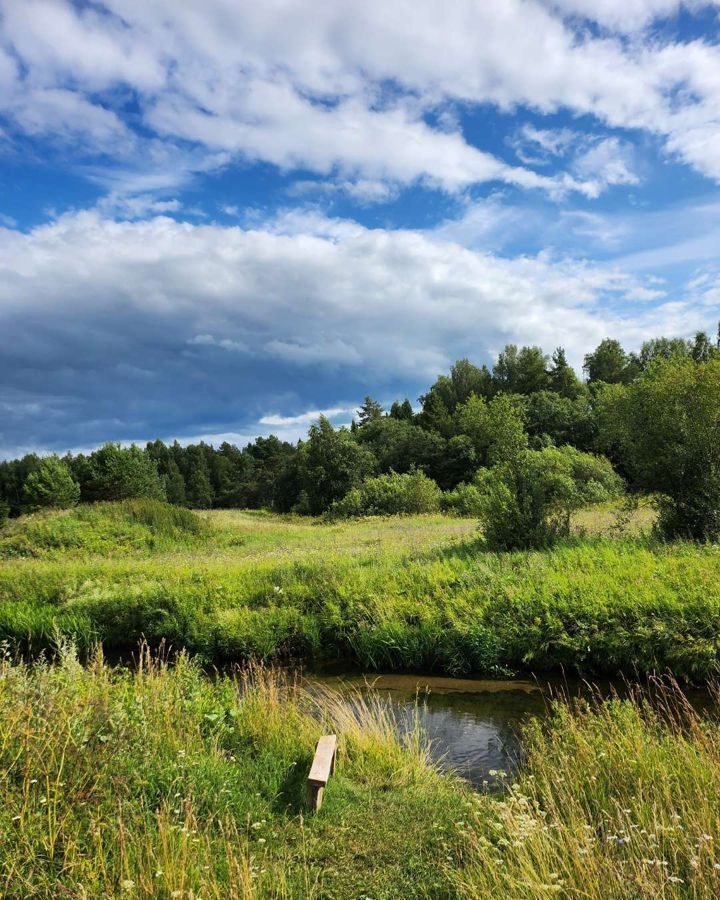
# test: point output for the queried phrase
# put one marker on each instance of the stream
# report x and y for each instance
(474, 724)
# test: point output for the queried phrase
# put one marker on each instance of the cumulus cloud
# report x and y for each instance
(133, 327)
(362, 90)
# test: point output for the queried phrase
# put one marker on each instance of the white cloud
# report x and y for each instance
(276, 83)
(537, 145)
(207, 340)
(388, 304)
(307, 418)
(608, 162)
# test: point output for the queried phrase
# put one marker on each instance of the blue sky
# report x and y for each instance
(219, 218)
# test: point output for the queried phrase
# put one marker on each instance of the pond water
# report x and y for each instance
(473, 724)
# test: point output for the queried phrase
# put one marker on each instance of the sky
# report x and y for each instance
(219, 219)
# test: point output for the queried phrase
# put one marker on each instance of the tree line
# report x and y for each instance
(479, 435)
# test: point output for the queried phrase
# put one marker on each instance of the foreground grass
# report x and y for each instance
(163, 783)
(618, 801)
(404, 594)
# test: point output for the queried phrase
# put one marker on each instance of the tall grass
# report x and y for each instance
(163, 783)
(411, 595)
(618, 800)
(105, 528)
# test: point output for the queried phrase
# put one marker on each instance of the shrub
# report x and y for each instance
(464, 500)
(389, 495)
(51, 485)
(528, 500)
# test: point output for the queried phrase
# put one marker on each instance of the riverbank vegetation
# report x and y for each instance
(616, 800)
(157, 781)
(160, 782)
(400, 594)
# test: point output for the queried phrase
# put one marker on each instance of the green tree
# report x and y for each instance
(608, 363)
(198, 487)
(468, 379)
(527, 501)
(506, 428)
(666, 425)
(332, 463)
(370, 411)
(663, 348)
(399, 445)
(120, 473)
(562, 379)
(13, 475)
(174, 483)
(702, 348)
(390, 495)
(51, 485)
(436, 414)
(402, 411)
(521, 371)
(553, 418)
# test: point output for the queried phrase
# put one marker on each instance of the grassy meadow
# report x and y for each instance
(156, 780)
(403, 594)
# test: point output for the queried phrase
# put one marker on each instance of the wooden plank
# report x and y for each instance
(322, 768)
(324, 763)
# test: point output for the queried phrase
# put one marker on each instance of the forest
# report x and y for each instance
(528, 425)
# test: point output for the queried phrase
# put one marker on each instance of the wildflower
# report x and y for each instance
(261, 840)
(675, 880)
(128, 884)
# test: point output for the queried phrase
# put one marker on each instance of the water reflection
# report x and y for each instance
(473, 725)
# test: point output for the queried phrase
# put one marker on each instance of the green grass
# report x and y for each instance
(161, 782)
(111, 529)
(618, 801)
(415, 593)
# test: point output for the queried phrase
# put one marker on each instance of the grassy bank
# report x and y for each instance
(405, 594)
(163, 783)
(618, 801)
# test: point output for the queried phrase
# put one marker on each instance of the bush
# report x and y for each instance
(51, 485)
(389, 495)
(527, 501)
(465, 500)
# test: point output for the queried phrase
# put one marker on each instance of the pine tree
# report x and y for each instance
(198, 487)
(370, 411)
(562, 377)
(174, 483)
(51, 485)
